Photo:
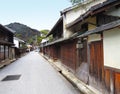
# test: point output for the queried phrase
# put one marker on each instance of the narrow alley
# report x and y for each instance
(34, 76)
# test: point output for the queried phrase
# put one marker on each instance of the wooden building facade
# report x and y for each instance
(6, 45)
(103, 24)
(92, 48)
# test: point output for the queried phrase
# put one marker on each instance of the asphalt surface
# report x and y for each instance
(37, 76)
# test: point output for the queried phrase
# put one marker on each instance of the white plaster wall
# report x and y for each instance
(64, 26)
(16, 43)
(66, 33)
(75, 13)
(114, 12)
(111, 44)
(94, 37)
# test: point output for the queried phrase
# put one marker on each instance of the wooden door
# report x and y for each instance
(96, 60)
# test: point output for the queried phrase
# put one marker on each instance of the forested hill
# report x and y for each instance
(24, 32)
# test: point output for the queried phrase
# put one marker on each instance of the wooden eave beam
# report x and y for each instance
(5, 43)
(105, 8)
(102, 28)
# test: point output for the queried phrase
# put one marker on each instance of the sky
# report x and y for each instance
(38, 14)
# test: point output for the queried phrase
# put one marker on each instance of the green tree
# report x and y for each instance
(43, 35)
(50, 38)
(44, 32)
(30, 41)
(18, 35)
(76, 1)
(39, 39)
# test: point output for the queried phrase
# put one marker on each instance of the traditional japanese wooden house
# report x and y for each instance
(53, 49)
(63, 38)
(103, 27)
(78, 46)
(90, 43)
(6, 43)
(58, 49)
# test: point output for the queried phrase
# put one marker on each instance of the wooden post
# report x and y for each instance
(78, 52)
(8, 52)
(4, 52)
(88, 60)
(77, 58)
(111, 82)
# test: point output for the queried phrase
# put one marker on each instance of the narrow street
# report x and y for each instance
(36, 76)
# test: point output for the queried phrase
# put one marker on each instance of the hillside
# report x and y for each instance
(24, 32)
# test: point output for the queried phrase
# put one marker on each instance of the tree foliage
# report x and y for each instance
(44, 32)
(43, 36)
(30, 41)
(76, 1)
(50, 38)
(18, 35)
(39, 39)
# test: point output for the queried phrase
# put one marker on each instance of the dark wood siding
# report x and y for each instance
(52, 51)
(68, 54)
(58, 51)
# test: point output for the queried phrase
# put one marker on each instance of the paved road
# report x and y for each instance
(37, 77)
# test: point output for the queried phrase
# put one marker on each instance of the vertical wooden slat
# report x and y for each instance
(107, 79)
(112, 76)
(68, 54)
(92, 68)
(117, 83)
